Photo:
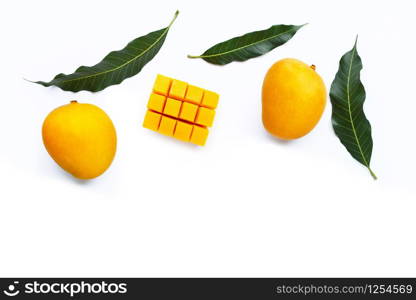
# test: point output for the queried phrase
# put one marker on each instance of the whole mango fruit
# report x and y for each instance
(293, 99)
(81, 138)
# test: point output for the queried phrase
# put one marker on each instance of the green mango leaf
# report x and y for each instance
(348, 119)
(250, 45)
(115, 67)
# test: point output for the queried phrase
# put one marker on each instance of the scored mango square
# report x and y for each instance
(180, 110)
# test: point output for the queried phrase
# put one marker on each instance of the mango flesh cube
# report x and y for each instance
(210, 99)
(183, 131)
(152, 120)
(178, 89)
(199, 135)
(162, 84)
(205, 116)
(167, 126)
(180, 110)
(172, 107)
(194, 94)
(156, 102)
(188, 112)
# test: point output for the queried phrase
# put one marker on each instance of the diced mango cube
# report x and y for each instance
(183, 131)
(178, 89)
(167, 126)
(162, 84)
(172, 107)
(188, 112)
(199, 135)
(180, 110)
(205, 116)
(156, 102)
(152, 120)
(194, 94)
(210, 99)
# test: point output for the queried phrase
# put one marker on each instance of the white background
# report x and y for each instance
(246, 204)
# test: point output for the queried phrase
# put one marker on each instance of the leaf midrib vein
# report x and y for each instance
(122, 65)
(349, 108)
(246, 46)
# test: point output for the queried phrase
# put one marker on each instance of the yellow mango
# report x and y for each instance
(293, 99)
(81, 138)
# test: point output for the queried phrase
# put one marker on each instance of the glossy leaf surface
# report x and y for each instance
(348, 119)
(115, 67)
(250, 45)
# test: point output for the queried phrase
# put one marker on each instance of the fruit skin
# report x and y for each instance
(293, 99)
(81, 138)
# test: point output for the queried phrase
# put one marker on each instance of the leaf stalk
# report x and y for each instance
(372, 173)
(174, 18)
